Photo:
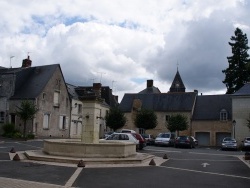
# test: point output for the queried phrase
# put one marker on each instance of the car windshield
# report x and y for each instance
(229, 139)
(163, 135)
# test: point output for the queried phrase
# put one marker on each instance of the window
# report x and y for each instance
(2, 116)
(63, 123)
(44, 96)
(46, 118)
(167, 117)
(56, 98)
(79, 108)
(223, 115)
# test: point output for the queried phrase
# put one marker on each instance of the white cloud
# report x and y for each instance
(125, 41)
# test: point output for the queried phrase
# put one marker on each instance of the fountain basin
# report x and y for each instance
(74, 148)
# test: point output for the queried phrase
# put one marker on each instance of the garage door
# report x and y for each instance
(203, 138)
(220, 136)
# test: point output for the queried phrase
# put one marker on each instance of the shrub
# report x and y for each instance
(30, 136)
(17, 134)
(9, 129)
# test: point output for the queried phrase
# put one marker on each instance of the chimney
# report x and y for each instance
(26, 63)
(116, 97)
(97, 89)
(150, 83)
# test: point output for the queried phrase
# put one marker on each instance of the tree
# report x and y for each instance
(177, 123)
(237, 73)
(26, 112)
(115, 119)
(146, 119)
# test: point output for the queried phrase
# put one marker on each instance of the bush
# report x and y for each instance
(8, 129)
(17, 134)
(30, 136)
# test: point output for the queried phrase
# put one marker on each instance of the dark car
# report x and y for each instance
(149, 139)
(184, 141)
(142, 141)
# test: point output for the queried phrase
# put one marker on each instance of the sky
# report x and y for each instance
(124, 43)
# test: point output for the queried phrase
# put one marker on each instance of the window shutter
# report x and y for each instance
(67, 123)
(60, 122)
(45, 121)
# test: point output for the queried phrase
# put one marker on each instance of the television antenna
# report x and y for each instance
(10, 60)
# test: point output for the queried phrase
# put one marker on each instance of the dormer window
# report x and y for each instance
(223, 115)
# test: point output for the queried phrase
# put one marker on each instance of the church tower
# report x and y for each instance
(177, 84)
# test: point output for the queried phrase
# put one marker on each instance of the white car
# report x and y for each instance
(165, 139)
(126, 137)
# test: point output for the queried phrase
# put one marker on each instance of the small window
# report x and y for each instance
(56, 98)
(63, 123)
(79, 108)
(44, 96)
(46, 119)
(2, 116)
(223, 115)
(167, 118)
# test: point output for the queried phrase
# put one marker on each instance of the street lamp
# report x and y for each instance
(234, 123)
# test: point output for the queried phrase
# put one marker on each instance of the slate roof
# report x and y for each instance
(106, 94)
(208, 107)
(71, 90)
(30, 81)
(163, 102)
(177, 80)
(150, 90)
(244, 90)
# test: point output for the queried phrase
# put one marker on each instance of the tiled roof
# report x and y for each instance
(163, 102)
(208, 107)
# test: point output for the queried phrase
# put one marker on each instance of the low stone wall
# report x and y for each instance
(104, 149)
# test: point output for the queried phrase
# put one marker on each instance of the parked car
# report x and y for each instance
(246, 143)
(107, 134)
(184, 141)
(229, 143)
(149, 139)
(126, 137)
(195, 140)
(142, 141)
(165, 139)
(127, 131)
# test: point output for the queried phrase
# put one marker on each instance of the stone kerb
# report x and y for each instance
(104, 149)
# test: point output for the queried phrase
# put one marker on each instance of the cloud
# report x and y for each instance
(121, 43)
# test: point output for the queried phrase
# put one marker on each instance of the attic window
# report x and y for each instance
(223, 115)
(167, 118)
(44, 95)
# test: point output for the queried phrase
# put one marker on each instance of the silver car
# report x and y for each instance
(229, 143)
(246, 143)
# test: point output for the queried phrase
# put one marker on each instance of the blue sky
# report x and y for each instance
(128, 41)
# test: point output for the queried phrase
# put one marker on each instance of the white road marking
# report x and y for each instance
(212, 173)
(205, 164)
(72, 179)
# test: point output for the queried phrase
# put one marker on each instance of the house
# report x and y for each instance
(176, 101)
(209, 117)
(96, 99)
(45, 87)
(212, 119)
(241, 112)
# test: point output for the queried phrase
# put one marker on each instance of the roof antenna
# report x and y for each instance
(177, 65)
(101, 75)
(113, 84)
(10, 60)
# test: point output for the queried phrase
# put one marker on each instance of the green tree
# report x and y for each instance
(177, 123)
(26, 112)
(146, 119)
(237, 73)
(115, 119)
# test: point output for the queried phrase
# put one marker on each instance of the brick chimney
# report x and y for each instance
(26, 63)
(150, 83)
(97, 88)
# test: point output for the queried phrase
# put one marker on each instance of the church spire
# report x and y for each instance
(177, 84)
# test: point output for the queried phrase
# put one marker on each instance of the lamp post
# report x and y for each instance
(234, 123)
